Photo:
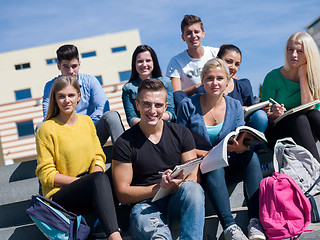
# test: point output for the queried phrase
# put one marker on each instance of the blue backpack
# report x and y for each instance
(55, 222)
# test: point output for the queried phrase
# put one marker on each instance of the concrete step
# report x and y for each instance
(314, 234)
(15, 224)
(18, 191)
(213, 229)
(236, 199)
(18, 171)
(27, 231)
(31, 232)
(14, 214)
(26, 170)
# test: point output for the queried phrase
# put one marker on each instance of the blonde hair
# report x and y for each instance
(311, 53)
(214, 63)
(59, 84)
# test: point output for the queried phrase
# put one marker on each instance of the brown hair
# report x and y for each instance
(156, 72)
(59, 84)
(67, 52)
(189, 20)
(153, 85)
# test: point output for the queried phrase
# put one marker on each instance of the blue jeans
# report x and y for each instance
(258, 120)
(182, 210)
(246, 163)
(110, 124)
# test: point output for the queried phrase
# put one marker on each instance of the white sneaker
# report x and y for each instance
(234, 232)
(255, 230)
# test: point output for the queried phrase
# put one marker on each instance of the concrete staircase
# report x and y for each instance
(18, 183)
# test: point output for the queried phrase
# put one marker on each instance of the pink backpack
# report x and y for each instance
(284, 209)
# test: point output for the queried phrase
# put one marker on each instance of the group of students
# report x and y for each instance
(171, 122)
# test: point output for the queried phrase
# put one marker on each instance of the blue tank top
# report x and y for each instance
(213, 131)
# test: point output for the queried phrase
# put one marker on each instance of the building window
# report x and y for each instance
(119, 49)
(99, 79)
(88, 54)
(52, 61)
(124, 76)
(23, 94)
(25, 128)
(22, 66)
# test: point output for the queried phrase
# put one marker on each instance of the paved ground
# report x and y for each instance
(312, 235)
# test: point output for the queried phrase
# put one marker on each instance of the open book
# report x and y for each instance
(254, 107)
(296, 109)
(187, 169)
(218, 156)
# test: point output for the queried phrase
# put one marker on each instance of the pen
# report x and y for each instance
(275, 102)
(161, 172)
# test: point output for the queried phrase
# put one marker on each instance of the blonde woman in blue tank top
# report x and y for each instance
(210, 117)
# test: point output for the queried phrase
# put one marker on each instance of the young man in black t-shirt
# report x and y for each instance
(141, 154)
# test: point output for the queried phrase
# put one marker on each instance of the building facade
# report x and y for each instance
(25, 72)
(314, 30)
(19, 119)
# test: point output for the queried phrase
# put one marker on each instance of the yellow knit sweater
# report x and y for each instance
(68, 150)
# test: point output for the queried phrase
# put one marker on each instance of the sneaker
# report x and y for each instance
(255, 230)
(234, 232)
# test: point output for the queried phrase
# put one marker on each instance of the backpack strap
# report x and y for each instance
(313, 185)
(315, 218)
(56, 206)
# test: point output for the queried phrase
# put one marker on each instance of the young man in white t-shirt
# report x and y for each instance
(185, 68)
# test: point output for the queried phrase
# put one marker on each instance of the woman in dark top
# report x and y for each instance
(241, 89)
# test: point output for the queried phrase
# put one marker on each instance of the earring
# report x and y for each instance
(227, 85)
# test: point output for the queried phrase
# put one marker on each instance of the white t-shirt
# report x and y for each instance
(188, 69)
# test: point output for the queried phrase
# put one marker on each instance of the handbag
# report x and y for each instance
(55, 222)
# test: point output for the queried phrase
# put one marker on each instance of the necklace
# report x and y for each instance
(209, 109)
(215, 121)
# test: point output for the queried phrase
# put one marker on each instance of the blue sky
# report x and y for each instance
(259, 28)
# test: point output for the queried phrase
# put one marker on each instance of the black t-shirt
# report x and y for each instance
(148, 158)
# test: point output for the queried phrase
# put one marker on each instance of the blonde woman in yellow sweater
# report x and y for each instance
(71, 162)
